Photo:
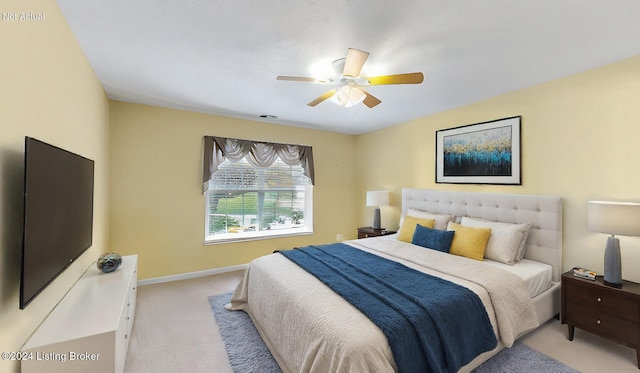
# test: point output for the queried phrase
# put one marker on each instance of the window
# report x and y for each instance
(247, 198)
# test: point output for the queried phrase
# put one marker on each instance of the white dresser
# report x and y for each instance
(90, 328)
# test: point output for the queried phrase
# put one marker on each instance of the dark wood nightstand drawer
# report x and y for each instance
(600, 300)
(611, 312)
(602, 323)
(365, 232)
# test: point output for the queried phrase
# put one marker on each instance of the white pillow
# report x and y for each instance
(506, 239)
(441, 219)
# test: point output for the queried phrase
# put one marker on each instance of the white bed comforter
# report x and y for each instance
(309, 328)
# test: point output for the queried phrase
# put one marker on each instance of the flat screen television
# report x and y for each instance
(58, 214)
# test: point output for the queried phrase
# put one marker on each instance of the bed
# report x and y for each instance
(308, 327)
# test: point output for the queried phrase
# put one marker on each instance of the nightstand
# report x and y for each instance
(365, 232)
(609, 312)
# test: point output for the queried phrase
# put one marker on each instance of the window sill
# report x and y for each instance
(243, 237)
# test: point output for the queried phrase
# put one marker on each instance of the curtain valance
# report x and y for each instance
(257, 153)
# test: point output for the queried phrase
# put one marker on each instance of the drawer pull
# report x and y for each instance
(598, 322)
(599, 299)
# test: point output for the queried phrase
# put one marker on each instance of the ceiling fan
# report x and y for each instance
(349, 90)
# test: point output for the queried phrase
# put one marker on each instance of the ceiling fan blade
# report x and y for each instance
(410, 78)
(370, 100)
(322, 97)
(354, 62)
(296, 78)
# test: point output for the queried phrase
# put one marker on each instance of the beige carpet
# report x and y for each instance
(174, 331)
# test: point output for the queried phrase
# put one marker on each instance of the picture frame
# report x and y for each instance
(480, 153)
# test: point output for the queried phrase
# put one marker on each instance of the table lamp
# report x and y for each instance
(614, 218)
(377, 199)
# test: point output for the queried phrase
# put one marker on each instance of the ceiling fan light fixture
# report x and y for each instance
(349, 96)
(350, 89)
(322, 71)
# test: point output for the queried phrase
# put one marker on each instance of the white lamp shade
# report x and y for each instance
(377, 198)
(617, 218)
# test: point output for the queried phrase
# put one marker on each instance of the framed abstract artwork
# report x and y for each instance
(480, 153)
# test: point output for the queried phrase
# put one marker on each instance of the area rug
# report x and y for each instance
(245, 348)
(248, 353)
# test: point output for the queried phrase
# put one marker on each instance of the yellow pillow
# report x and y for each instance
(468, 241)
(408, 227)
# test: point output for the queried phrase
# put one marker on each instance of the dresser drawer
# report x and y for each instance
(602, 323)
(597, 299)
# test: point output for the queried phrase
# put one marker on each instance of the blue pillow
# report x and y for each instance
(433, 238)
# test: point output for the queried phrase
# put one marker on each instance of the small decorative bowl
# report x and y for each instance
(109, 262)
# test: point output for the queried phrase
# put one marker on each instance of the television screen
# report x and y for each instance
(58, 214)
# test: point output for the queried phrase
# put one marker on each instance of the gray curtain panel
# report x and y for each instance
(257, 153)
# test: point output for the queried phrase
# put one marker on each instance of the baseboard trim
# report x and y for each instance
(190, 275)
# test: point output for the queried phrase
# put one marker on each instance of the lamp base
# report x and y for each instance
(619, 286)
(612, 263)
(376, 218)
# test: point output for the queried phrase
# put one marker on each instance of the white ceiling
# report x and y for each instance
(222, 56)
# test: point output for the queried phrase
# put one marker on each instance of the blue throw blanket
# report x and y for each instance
(431, 325)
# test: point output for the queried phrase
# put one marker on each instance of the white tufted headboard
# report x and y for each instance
(544, 213)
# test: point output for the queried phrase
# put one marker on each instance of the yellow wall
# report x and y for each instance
(47, 91)
(157, 206)
(580, 140)
(578, 133)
